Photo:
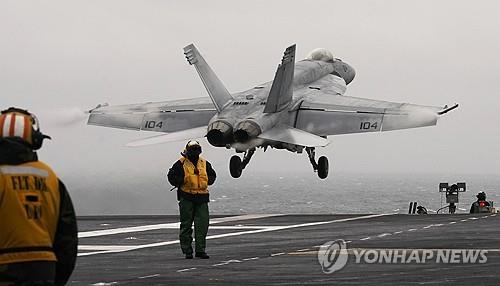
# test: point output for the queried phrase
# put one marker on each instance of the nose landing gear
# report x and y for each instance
(322, 166)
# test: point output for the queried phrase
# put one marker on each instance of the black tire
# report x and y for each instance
(235, 167)
(323, 167)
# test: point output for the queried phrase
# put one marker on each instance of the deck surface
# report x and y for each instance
(282, 250)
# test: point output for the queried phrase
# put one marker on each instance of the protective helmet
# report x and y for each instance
(481, 196)
(16, 122)
(192, 146)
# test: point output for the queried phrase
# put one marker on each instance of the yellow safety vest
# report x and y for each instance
(29, 211)
(195, 178)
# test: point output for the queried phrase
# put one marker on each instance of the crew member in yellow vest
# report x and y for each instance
(192, 175)
(38, 232)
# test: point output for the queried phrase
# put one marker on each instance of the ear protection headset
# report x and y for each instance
(30, 134)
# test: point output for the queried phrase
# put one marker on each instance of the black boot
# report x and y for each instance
(202, 255)
(189, 256)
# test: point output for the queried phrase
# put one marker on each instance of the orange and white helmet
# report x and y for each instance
(16, 122)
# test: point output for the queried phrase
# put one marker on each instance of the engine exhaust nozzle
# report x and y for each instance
(246, 130)
(219, 133)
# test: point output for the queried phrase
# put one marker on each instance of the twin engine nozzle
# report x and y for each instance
(220, 133)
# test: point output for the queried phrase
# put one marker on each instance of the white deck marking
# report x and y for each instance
(186, 269)
(277, 254)
(252, 258)
(232, 227)
(103, 247)
(383, 234)
(350, 251)
(305, 249)
(173, 225)
(219, 264)
(366, 238)
(112, 231)
(412, 229)
(398, 232)
(274, 228)
(227, 262)
(452, 222)
(129, 248)
(463, 220)
(149, 276)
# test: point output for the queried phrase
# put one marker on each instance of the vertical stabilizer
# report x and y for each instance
(281, 91)
(216, 90)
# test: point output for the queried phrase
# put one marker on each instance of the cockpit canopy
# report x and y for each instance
(320, 54)
(339, 68)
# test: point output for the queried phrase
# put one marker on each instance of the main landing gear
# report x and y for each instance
(236, 165)
(321, 166)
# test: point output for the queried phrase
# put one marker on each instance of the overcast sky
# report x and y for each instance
(60, 57)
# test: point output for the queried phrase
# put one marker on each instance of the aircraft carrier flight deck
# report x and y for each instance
(283, 250)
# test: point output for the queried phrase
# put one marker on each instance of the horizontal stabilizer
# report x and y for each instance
(294, 136)
(215, 88)
(166, 116)
(188, 134)
(447, 109)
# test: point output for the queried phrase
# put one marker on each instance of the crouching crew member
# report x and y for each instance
(192, 174)
(38, 232)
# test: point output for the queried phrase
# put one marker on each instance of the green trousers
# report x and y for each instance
(193, 212)
(40, 273)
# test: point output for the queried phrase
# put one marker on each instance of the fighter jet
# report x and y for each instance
(296, 111)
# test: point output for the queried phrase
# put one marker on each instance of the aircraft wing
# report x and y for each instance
(328, 114)
(188, 134)
(167, 116)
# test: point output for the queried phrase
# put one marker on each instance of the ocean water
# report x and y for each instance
(278, 192)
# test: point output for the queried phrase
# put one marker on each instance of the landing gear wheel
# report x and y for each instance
(322, 167)
(235, 166)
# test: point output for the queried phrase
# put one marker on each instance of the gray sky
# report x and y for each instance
(59, 57)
